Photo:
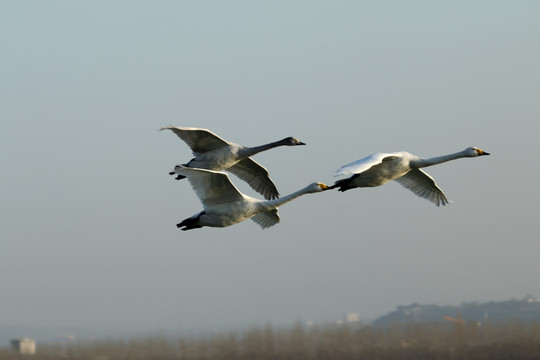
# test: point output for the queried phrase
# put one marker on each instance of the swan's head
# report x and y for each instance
(317, 187)
(474, 151)
(290, 141)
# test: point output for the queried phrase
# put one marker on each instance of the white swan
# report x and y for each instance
(213, 153)
(377, 169)
(224, 205)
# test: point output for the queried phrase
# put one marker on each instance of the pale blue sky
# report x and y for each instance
(88, 211)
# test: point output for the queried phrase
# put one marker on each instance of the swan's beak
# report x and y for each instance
(482, 152)
(301, 143)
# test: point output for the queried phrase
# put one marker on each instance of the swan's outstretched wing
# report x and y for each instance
(267, 218)
(256, 176)
(199, 140)
(423, 185)
(362, 165)
(212, 187)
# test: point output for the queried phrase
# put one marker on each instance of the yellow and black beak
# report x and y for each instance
(482, 152)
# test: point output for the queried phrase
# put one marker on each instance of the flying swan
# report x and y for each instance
(378, 169)
(214, 153)
(224, 205)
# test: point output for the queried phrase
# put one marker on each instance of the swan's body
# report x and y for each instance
(378, 169)
(224, 205)
(213, 153)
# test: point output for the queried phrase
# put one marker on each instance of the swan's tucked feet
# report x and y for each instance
(190, 223)
(179, 177)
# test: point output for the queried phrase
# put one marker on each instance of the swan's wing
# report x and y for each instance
(267, 218)
(256, 176)
(362, 165)
(212, 187)
(199, 140)
(423, 185)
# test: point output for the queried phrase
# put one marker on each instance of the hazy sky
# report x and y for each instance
(88, 211)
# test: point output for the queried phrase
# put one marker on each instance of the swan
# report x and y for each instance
(224, 205)
(214, 153)
(403, 167)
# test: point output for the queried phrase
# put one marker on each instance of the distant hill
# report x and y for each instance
(524, 310)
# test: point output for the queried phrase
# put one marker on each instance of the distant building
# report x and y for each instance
(24, 346)
(351, 318)
(530, 298)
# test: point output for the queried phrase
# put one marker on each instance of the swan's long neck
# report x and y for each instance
(420, 162)
(285, 199)
(257, 149)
